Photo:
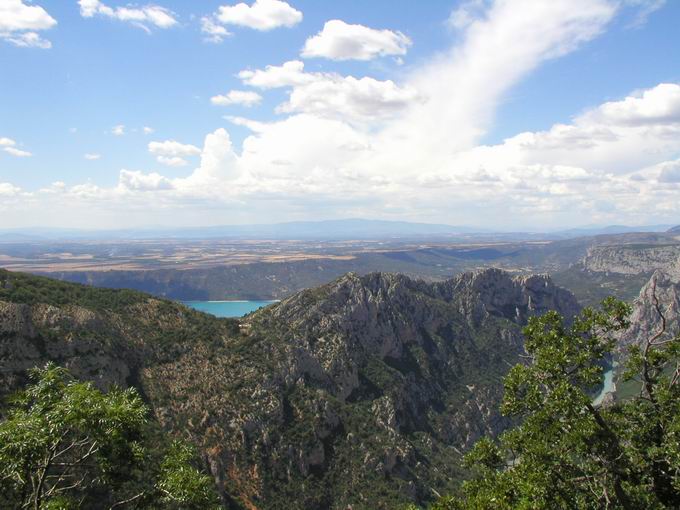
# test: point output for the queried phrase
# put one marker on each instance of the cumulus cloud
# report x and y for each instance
(341, 41)
(148, 130)
(173, 148)
(349, 97)
(245, 98)
(20, 24)
(347, 146)
(330, 94)
(118, 130)
(659, 105)
(262, 15)
(217, 167)
(142, 17)
(619, 136)
(137, 181)
(172, 153)
(91, 156)
(287, 75)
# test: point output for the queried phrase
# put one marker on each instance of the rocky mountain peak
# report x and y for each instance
(365, 389)
(645, 319)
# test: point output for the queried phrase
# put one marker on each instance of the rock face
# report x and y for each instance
(634, 259)
(361, 393)
(645, 319)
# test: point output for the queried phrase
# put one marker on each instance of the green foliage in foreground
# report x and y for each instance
(64, 444)
(567, 453)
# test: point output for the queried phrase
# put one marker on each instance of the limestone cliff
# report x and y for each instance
(634, 259)
(645, 319)
(361, 393)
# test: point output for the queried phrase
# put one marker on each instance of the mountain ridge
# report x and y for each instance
(361, 392)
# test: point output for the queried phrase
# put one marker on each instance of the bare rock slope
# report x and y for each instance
(363, 392)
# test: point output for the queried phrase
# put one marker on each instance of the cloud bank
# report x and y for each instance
(410, 148)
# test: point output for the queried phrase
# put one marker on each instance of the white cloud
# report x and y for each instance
(137, 181)
(175, 161)
(20, 23)
(330, 94)
(118, 130)
(8, 190)
(173, 148)
(341, 41)
(30, 40)
(17, 152)
(659, 105)
(148, 130)
(8, 146)
(261, 15)
(245, 98)
(90, 156)
(349, 97)
(142, 17)
(217, 168)
(215, 32)
(172, 153)
(287, 75)
(669, 172)
(411, 149)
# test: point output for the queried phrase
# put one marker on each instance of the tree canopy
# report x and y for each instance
(65, 444)
(565, 452)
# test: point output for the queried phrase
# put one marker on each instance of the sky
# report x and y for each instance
(501, 114)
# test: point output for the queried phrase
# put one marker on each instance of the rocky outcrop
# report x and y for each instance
(645, 319)
(362, 393)
(634, 259)
(392, 378)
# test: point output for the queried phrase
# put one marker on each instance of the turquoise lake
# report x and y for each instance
(227, 308)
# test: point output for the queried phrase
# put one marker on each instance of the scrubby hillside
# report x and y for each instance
(362, 392)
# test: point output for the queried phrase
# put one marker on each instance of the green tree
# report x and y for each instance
(65, 444)
(567, 453)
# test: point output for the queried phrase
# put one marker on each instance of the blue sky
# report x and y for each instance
(506, 113)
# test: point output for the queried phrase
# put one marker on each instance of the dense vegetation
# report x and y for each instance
(567, 453)
(64, 444)
(24, 288)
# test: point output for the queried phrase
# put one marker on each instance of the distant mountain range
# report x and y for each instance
(344, 229)
(611, 229)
